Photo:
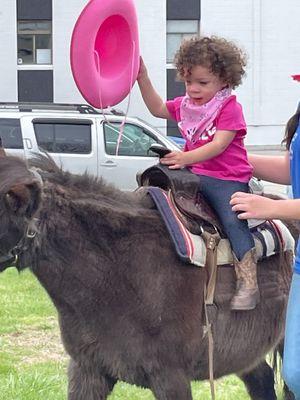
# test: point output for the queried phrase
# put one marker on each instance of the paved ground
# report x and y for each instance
(270, 150)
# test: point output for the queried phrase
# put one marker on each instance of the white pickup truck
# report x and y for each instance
(80, 138)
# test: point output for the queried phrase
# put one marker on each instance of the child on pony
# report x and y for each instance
(212, 122)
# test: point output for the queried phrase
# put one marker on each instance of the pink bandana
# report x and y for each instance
(197, 119)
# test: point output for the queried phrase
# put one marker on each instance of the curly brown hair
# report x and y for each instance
(222, 57)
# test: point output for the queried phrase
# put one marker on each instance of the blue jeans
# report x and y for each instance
(218, 193)
(291, 356)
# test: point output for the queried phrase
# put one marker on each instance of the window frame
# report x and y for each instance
(180, 33)
(19, 144)
(151, 136)
(56, 122)
(33, 34)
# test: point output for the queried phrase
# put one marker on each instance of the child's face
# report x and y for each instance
(201, 85)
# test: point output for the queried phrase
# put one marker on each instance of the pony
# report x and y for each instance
(129, 309)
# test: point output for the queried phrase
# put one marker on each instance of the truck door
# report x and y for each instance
(71, 142)
(133, 156)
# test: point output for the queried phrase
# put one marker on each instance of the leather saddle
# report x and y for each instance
(195, 213)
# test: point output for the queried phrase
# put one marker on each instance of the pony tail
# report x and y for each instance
(290, 129)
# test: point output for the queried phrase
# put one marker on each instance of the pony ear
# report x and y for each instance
(24, 199)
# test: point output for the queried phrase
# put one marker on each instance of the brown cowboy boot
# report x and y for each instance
(247, 293)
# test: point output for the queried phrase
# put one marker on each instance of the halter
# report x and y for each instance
(13, 255)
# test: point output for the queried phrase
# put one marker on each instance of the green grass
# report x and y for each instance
(33, 363)
(23, 302)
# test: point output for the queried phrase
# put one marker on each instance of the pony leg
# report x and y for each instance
(170, 385)
(260, 382)
(88, 383)
(287, 394)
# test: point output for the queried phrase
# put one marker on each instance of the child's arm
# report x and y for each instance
(153, 101)
(178, 159)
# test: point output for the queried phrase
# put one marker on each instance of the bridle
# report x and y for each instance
(12, 256)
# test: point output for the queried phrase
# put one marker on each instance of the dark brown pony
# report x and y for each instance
(128, 308)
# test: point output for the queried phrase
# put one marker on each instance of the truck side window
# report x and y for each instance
(63, 137)
(135, 141)
(10, 133)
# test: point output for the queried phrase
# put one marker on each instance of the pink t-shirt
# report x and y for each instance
(232, 163)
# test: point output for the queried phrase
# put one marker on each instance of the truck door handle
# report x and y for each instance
(28, 143)
(108, 163)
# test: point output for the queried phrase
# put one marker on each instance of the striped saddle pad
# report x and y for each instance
(270, 236)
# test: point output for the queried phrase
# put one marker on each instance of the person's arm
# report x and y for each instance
(271, 168)
(254, 206)
(178, 159)
(153, 101)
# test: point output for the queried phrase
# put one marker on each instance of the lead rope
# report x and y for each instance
(211, 240)
(128, 103)
(121, 129)
(210, 350)
(99, 86)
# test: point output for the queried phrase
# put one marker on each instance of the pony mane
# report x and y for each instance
(87, 185)
(92, 199)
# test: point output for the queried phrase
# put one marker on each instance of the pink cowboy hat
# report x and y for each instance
(105, 51)
(296, 77)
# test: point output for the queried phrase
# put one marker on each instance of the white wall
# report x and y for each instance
(152, 35)
(8, 51)
(269, 30)
(65, 14)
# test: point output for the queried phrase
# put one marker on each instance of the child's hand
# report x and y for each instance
(142, 70)
(175, 159)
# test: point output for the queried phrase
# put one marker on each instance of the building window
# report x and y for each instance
(35, 85)
(183, 22)
(177, 30)
(187, 9)
(34, 42)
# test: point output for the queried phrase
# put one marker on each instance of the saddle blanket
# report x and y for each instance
(269, 236)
